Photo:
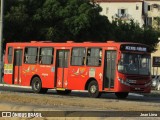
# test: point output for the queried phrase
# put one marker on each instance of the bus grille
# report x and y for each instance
(137, 90)
(136, 84)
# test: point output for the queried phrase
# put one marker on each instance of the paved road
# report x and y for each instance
(23, 99)
(132, 96)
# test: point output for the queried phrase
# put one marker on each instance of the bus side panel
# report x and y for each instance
(77, 77)
(28, 71)
(46, 73)
(8, 78)
(26, 79)
(97, 74)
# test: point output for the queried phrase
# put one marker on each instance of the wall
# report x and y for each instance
(155, 70)
(131, 6)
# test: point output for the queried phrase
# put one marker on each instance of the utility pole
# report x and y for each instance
(1, 40)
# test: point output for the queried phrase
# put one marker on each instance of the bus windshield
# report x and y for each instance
(134, 64)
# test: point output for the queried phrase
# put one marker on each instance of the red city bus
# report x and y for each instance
(117, 67)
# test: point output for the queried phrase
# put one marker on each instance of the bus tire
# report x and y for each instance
(66, 92)
(121, 95)
(93, 89)
(37, 85)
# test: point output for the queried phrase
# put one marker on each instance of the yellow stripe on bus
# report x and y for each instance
(60, 89)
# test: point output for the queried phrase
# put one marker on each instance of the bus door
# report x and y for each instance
(62, 62)
(109, 69)
(17, 65)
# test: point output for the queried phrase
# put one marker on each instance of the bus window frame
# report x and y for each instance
(99, 57)
(78, 56)
(11, 55)
(47, 55)
(24, 59)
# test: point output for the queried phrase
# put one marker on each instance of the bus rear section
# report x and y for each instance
(13, 65)
(95, 67)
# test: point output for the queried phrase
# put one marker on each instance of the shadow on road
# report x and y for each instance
(108, 96)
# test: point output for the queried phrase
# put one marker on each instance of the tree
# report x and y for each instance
(157, 23)
(132, 32)
(78, 20)
(55, 20)
(18, 22)
(62, 20)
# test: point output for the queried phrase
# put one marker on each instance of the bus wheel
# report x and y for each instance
(121, 95)
(66, 92)
(37, 85)
(93, 89)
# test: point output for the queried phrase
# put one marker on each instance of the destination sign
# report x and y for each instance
(144, 49)
(138, 48)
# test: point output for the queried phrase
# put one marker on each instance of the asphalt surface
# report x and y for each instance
(131, 97)
(15, 98)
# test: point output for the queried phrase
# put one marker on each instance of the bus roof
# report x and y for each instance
(72, 43)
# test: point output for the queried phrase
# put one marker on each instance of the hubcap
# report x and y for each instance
(36, 85)
(93, 89)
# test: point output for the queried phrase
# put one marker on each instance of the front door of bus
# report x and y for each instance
(109, 69)
(17, 66)
(62, 68)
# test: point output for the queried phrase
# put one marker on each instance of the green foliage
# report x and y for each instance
(132, 32)
(61, 20)
(18, 19)
(56, 20)
(157, 23)
(150, 37)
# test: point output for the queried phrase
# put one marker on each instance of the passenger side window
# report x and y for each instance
(46, 56)
(94, 56)
(78, 56)
(31, 55)
(10, 52)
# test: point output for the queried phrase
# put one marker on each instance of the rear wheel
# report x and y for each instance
(121, 95)
(37, 86)
(66, 92)
(93, 89)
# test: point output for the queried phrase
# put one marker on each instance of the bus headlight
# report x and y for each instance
(123, 82)
(148, 84)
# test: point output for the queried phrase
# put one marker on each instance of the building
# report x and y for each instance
(151, 13)
(122, 9)
(155, 70)
(152, 18)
